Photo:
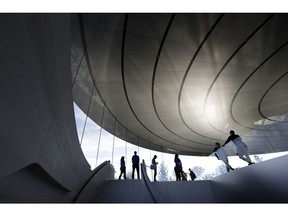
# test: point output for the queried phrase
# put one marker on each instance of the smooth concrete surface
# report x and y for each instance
(185, 191)
(103, 188)
(95, 184)
(245, 185)
(118, 191)
(264, 182)
(40, 158)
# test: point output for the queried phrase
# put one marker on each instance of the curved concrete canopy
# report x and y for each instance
(181, 82)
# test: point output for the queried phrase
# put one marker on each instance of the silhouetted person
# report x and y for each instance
(192, 175)
(135, 164)
(222, 155)
(122, 168)
(184, 176)
(178, 167)
(154, 166)
(242, 149)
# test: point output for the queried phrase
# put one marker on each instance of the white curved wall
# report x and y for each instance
(40, 158)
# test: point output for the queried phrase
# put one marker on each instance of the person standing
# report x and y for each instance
(135, 164)
(178, 167)
(242, 149)
(192, 174)
(122, 168)
(154, 166)
(222, 155)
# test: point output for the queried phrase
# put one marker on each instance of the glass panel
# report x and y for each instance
(90, 142)
(204, 167)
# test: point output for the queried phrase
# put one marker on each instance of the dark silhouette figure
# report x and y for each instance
(135, 164)
(242, 149)
(178, 167)
(222, 155)
(192, 174)
(154, 166)
(184, 176)
(122, 168)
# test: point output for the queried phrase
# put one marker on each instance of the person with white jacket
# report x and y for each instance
(222, 155)
(242, 149)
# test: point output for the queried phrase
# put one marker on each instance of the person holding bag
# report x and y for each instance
(154, 166)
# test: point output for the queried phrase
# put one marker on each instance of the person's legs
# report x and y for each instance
(176, 174)
(155, 173)
(133, 170)
(191, 176)
(243, 153)
(247, 158)
(120, 175)
(137, 169)
(228, 167)
(231, 168)
(181, 175)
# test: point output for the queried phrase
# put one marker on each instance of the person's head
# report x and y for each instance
(135, 152)
(122, 158)
(217, 144)
(176, 155)
(155, 156)
(232, 132)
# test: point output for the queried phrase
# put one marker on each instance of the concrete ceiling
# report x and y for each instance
(180, 82)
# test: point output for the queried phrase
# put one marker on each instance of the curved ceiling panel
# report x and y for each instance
(181, 82)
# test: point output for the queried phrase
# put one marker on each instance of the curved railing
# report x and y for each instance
(94, 172)
(156, 197)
